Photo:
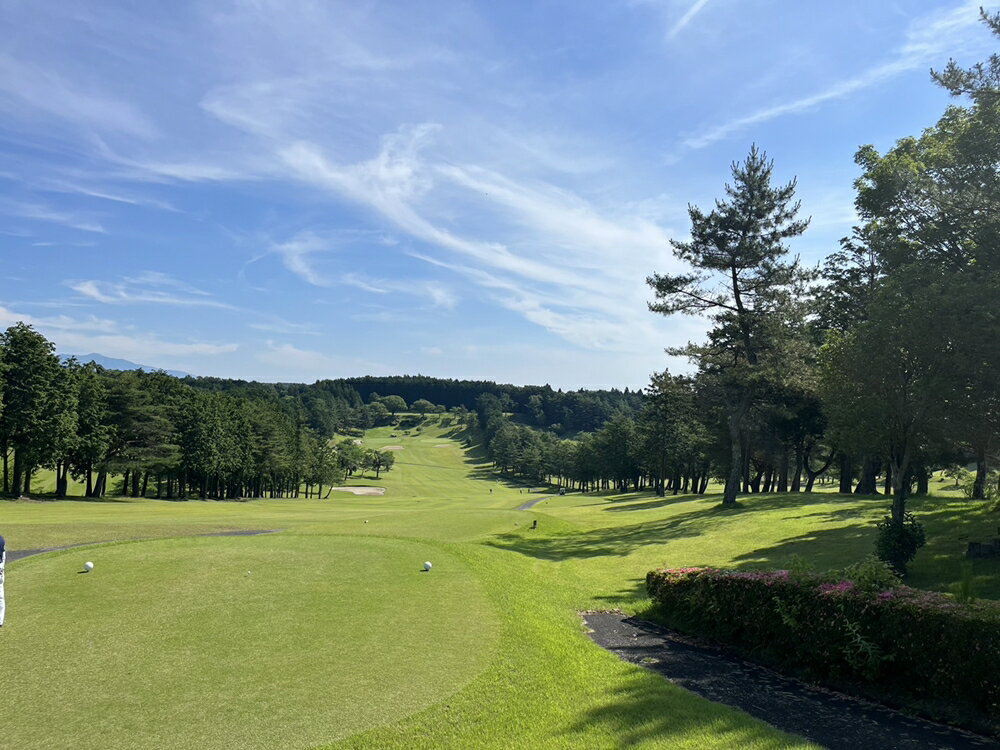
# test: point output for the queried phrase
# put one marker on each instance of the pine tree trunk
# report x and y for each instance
(846, 473)
(90, 481)
(799, 461)
(982, 469)
(899, 489)
(6, 476)
(736, 458)
(868, 484)
(18, 472)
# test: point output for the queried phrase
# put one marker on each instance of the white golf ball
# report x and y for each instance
(427, 566)
(88, 566)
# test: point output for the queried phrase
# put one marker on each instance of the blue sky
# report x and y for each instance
(284, 190)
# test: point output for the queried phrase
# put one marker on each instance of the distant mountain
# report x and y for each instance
(110, 363)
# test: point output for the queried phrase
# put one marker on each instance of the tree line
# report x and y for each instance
(165, 437)
(540, 406)
(885, 359)
(881, 362)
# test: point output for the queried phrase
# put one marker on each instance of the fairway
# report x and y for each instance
(327, 634)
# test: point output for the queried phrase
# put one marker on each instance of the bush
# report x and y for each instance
(919, 647)
(897, 545)
(991, 493)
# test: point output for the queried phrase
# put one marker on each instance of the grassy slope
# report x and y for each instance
(335, 633)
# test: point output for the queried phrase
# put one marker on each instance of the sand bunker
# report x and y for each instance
(359, 442)
(361, 490)
(446, 445)
(393, 448)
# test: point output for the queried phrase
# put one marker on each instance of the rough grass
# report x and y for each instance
(336, 639)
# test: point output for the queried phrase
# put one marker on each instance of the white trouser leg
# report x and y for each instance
(3, 607)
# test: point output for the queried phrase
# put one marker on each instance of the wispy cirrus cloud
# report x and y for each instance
(295, 255)
(439, 294)
(149, 287)
(42, 212)
(27, 88)
(561, 245)
(929, 39)
(685, 19)
(311, 364)
(93, 334)
(107, 194)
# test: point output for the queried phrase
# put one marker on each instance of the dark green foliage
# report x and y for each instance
(982, 80)
(741, 281)
(582, 410)
(918, 647)
(897, 544)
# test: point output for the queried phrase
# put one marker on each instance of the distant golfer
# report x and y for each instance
(3, 558)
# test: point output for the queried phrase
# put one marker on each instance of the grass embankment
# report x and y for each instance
(334, 636)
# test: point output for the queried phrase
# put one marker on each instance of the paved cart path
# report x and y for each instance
(830, 719)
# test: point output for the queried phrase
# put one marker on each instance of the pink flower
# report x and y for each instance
(836, 588)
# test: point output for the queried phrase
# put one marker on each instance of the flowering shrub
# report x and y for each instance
(921, 647)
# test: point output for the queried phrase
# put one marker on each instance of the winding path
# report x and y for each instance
(18, 554)
(830, 719)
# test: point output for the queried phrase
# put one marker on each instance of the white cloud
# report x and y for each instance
(557, 271)
(25, 86)
(928, 39)
(308, 364)
(147, 288)
(39, 212)
(92, 334)
(439, 294)
(684, 20)
(115, 196)
(295, 255)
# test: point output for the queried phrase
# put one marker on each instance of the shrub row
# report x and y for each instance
(920, 647)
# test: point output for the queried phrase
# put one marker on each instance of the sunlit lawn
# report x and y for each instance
(327, 632)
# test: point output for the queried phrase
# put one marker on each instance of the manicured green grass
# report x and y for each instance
(336, 639)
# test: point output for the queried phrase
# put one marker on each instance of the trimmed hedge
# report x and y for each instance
(919, 647)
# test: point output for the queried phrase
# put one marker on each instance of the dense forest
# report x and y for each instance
(541, 406)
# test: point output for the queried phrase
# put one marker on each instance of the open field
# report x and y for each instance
(328, 635)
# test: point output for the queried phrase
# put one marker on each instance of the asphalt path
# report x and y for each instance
(836, 721)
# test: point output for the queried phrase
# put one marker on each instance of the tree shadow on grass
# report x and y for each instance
(632, 595)
(51, 498)
(823, 549)
(652, 504)
(950, 524)
(647, 708)
(612, 541)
